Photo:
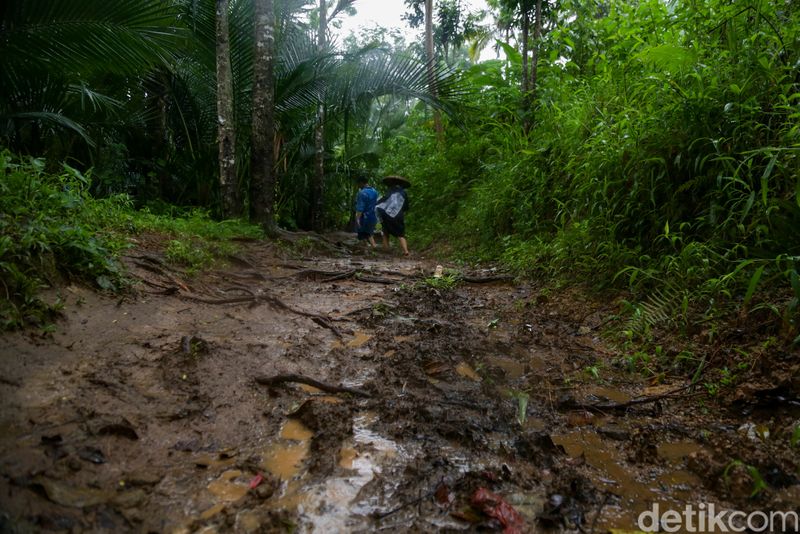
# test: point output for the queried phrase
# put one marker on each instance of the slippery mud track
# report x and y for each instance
(440, 409)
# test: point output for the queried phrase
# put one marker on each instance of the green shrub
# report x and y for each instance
(50, 229)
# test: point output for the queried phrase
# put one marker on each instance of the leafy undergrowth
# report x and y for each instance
(52, 230)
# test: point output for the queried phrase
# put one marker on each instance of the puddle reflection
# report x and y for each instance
(333, 504)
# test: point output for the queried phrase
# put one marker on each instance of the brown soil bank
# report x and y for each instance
(358, 394)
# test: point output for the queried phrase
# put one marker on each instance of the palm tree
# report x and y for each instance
(318, 181)
(262, 156)
(57, 54)
(228, 184)
(431, 57)
(142, 74)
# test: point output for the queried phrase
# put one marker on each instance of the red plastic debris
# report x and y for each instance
(496, 507)
(258, 479)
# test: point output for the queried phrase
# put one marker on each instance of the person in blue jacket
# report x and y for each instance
(366, 218)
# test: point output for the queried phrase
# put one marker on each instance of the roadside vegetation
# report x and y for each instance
(53, 232)
(659, 161)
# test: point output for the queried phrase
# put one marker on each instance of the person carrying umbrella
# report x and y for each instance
(391, 210)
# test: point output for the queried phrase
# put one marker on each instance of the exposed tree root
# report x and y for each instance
(487, 279)
(332, 276)
(570, 404)
(268, 299)
(300, 379)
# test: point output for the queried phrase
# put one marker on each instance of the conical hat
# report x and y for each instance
(397, 180)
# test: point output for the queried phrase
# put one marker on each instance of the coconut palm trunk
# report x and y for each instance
(318, 182)
(262, 162)
(226, 132)
(437, 118)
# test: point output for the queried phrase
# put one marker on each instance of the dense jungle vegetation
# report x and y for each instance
(645, 146)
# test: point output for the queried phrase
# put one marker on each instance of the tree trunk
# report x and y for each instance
(318, 182)
(228, 185)
(529, 84)
(437, 119)
(262, 162)
(525, 40)
(537, 37)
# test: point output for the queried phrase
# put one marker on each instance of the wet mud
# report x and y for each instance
(481, 406)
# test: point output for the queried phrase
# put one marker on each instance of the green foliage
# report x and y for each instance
(663, 158)
(194, 223)
(521, 399)
(724, 378)
(50, 228)
(445, 282)
(198, 242)
(759, 484)
(593, 371)
(189, 254)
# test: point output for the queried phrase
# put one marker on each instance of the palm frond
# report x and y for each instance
(57, 121)
(119, 36)
(93, 101)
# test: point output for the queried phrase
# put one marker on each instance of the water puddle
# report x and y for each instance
(359, 339)
(513, 369)
(614, 476)
(211, 512)
(309, 389)
(346, 457)
(295, 430)
(466, 371)
(211, 461)
(284, 458)
(227, 488)
(673, 452)
(333, 505)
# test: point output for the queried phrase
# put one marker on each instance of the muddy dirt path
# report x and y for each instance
(479, 406)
